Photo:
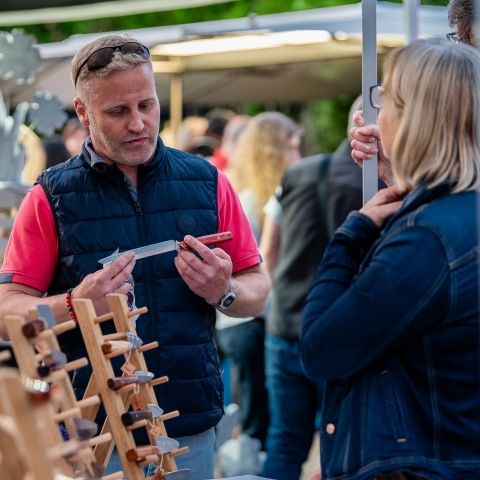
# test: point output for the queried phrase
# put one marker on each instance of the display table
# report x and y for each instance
(245, 477)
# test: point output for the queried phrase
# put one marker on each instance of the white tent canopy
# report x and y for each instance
(280, 58)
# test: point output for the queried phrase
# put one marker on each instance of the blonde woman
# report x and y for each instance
(267, 146)
(392, 320)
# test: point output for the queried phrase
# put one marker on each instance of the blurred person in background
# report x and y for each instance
(315, 196)
(344, 183)
(55, 150)
(460, 17)
(59, 148)
(231, 133)
(391, 322)
(267, 146)
(191, 128)
(74, 134)
(205, 145)
(217, 121)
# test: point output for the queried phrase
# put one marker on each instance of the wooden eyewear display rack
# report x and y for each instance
(134, 387)
(41, 362)
(13, 403)
(22, 443)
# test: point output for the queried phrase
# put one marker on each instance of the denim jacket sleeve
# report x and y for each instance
(356, 313)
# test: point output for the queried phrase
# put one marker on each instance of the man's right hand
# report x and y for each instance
(111, 279)
(365, 144)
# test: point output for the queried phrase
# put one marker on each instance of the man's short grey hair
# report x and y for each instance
(119, 61)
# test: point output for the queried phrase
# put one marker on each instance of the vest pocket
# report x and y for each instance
(393, 407)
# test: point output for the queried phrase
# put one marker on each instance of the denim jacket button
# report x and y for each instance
(330, 428)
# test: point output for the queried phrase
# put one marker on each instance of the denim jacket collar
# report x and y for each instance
(420, 195)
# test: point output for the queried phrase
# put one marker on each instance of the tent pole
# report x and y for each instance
(369, 78)
(411, 19)
(176, 103)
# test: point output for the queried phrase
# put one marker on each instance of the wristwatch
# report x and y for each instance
(226, 300)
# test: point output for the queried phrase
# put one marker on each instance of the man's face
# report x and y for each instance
(123, 115)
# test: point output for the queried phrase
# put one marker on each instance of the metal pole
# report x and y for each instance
(369, 78)
(411, 19)
(176, 103)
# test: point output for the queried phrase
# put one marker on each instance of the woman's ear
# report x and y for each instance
(81, 111)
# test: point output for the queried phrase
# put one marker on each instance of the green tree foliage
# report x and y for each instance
(325, 124)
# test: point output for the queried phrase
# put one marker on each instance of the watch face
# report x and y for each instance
(229, 300)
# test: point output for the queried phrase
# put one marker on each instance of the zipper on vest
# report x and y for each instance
(138, 209)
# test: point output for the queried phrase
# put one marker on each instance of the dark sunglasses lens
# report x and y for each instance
(135, 48)
(101, 58)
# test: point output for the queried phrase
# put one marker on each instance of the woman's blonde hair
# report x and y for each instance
(435, 87)
(262, 155)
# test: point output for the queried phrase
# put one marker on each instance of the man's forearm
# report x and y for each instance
(18, 300)
(251, 287)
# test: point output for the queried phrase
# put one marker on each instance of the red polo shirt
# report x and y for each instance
(32, 251)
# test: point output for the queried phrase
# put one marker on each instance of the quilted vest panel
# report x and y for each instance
(95, 213)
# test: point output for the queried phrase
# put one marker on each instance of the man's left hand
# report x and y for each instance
(208, 276)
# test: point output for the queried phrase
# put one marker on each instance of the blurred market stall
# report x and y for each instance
(281, 58)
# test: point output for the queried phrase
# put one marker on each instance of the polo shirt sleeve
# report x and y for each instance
(32, 250)
(243, 248)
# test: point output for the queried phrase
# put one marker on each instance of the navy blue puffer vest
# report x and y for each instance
(95, 213)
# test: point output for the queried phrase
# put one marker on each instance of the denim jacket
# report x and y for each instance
(392, 325)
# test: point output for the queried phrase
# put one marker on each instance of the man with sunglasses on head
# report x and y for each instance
(365, 138)
(124, 190)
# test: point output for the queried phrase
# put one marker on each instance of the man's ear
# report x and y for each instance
(81, 111)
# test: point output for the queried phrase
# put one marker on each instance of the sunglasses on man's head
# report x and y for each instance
(103, 56)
